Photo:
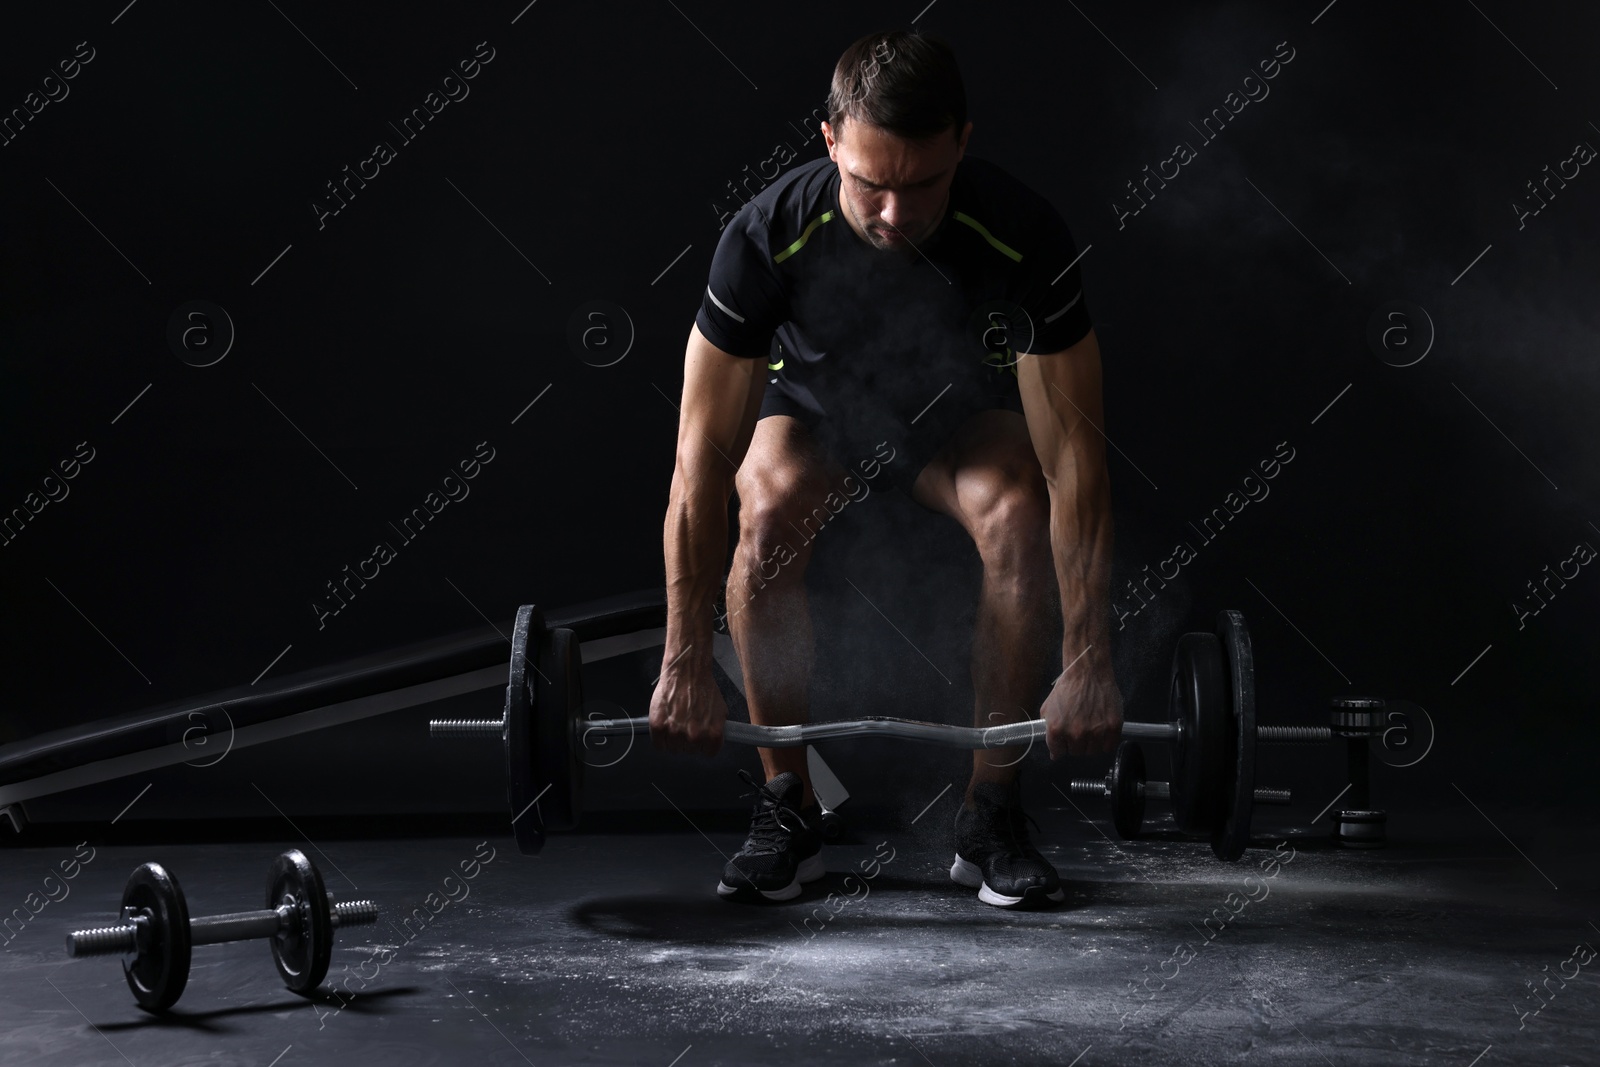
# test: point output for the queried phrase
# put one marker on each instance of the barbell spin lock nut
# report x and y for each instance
(1356, 716)
(1362, 829)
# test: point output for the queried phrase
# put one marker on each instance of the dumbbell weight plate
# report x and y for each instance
(303, 951)
(521, 737)
(1127, 793)
(1230, 834)
(1198, 702)
(160, 972)
(558, 713)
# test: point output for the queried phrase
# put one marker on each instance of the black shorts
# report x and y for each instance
(895, 463)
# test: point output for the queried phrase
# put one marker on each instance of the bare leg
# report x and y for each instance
(988, 479)
(785, 475)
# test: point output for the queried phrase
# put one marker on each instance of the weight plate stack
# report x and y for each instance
(303, 950)
(521, 739)
(161, 970)
(558, 713)
(1127, 790)
(1198, 703)
(1230, 834)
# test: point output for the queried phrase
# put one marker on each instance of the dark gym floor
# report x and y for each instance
(1447, 947)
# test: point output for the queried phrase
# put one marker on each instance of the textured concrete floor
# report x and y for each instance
(612, 948)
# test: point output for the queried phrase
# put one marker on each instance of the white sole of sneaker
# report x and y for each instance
(811, 868)
(971, 875)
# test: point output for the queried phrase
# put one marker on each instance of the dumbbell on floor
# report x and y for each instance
(155, 927)
(1128, 789)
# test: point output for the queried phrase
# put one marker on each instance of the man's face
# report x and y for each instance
(894, 190)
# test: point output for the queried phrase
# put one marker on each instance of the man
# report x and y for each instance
(925, 324)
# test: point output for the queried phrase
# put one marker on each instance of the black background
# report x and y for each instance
(380, 350)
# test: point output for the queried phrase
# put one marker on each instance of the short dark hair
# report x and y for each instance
(903, 82)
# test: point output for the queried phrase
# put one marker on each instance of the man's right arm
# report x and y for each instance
(721, 397)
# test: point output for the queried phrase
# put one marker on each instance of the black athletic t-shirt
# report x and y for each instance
(873, 337)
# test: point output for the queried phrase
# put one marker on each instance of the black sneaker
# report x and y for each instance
(994, 855)
(783, 850)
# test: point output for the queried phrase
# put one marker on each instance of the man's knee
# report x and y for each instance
(773, 545)
(1011, 519)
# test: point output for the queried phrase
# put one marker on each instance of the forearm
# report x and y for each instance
(696, 544)
(1081, 539)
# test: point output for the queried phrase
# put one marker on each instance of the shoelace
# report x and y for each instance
(1006, 823)
(767, 830)
(1018, 832)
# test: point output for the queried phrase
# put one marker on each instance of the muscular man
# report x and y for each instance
(897, 314)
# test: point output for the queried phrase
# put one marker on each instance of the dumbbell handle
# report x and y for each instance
(972, 737)
(213, 929)
(1163, 791)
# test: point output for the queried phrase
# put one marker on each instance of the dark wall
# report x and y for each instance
(375, 350)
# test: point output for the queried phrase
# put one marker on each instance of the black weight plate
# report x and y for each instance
(303, 950)
(1230, 835)
(521, 738)
(161, 970)
(1198, 703)
(1127, 790)
(558, 716)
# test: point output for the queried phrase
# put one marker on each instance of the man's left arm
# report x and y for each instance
(1061, 399)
